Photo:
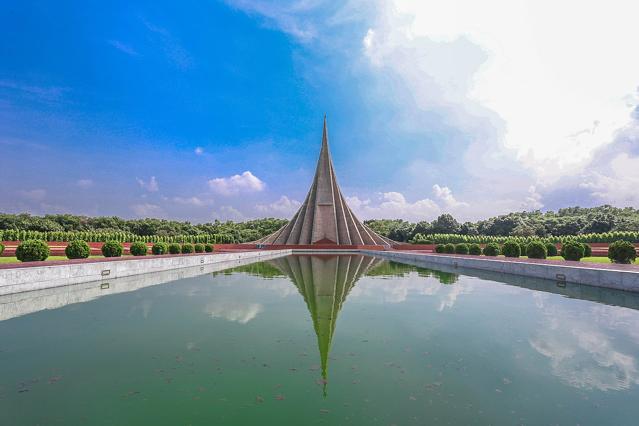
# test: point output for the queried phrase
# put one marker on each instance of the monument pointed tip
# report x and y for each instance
(325, 133)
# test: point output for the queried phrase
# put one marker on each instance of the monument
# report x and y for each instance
(324, 217)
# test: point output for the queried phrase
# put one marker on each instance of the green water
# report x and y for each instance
(346, 340)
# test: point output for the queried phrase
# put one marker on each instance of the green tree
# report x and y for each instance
(445, 224)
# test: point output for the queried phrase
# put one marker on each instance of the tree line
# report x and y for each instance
(598, 223)
(66, 227)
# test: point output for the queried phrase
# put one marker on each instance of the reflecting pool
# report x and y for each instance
(319, 340)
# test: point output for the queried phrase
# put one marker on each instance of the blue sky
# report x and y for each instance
(208, 110)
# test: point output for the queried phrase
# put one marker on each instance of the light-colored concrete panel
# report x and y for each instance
(607, 278)
(40, 277)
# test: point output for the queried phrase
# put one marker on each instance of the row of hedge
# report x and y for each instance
(101, 237)
(93, 236)
(605, 237)
(618, 252)
(37, 250)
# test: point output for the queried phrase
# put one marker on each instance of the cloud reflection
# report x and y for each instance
(233, 311)
(412, 284)
(582, 345)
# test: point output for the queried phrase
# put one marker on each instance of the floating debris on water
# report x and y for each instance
(54, 379)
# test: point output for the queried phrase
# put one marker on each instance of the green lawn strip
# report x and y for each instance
(592, 259)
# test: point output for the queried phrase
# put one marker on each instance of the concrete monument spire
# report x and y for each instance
(325, 218)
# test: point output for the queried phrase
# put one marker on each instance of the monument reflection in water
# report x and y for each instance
(324, 282)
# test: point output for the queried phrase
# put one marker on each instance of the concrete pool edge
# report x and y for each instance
(626, 280)
(20, 279)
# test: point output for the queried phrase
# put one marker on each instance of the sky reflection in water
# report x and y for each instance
(321, 339)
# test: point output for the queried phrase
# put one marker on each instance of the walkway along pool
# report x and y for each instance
(324, 339)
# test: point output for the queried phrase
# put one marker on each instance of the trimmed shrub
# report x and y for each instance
(449, 248)
(175, 248)
(461, 248)
(440, 248)
(160, 248)
(511, 249)
(572, 250)
(474, 249)
(622, 252)
(199, 248)
(187, 248)
(536, 250)
(32, 250)
(492, 249)
(138, 249)
(551, 249)
(587, 250)
(112, 249)
(523, 247)
(208, 248)
(1, 248)
(77, 249)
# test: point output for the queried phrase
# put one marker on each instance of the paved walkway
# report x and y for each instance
(590, 265)
(106, 259)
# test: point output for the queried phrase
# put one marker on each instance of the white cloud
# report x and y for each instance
(84, 183)
(147, 210)
(284, 207)
(193, 201)
(537, 64)
(171, 46)
(533, 200)
(526, 92)
(33, 194)
(394, 205)
(151, 185)
(199, 150)
(244, 183)
(41, 93)
(229, 213)
(619, 184)
(444, 194)
(124, 48)
(288, 16)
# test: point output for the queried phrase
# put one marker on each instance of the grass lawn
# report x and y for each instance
(592, 259)
(13, 259)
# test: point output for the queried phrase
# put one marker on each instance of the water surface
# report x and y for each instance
(320, 340)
